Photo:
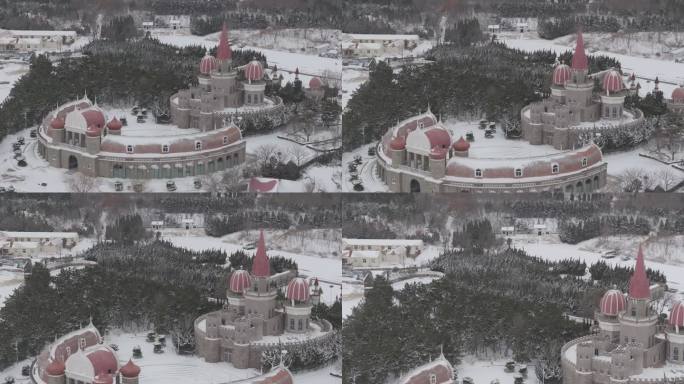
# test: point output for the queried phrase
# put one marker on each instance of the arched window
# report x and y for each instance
(555, 168)
(225, 140)
(675, 353)
(198, 145)
(584, 161)
(165, 148)
(518, 172)
(433, 378)
(478, 172)
(129, 149)
(421, 125)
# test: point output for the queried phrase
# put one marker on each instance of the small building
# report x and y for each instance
(29, 41)
(372, 45)
(364, 253)
(13, 243)
(541, 229)
(147, 25)
(493, 28)
(157, 224)
(507, 231)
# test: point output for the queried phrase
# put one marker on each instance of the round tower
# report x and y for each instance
(612, 304)
(55, 372)
(93, 139)
(675, 334)
(260, 298)
(613, 95)
(298, 307)
(461, 147)
(438, 162)
(585, 352)
(114, 126)
(56, 130)
(398, 151)
(254, 85)
(129, 373)
(239, 282)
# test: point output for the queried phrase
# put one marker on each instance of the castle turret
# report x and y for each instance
(585, 353)
(239, 282)
(438, 162)
(298, 307)
(398, 150)
(580, 63)
(224, 54)
(260, 299)
(114, 126)
(93, 139)
(638, 321)
(613, 95)
(316, 293)
(675, 334)
(129, 373)
(55, 372)
(56, 130)
(206, 114)
(612, 304)
(461, 147)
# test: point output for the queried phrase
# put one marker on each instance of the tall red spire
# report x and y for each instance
(260, 265)
(223, 52)
(638, 283)
(579, 58)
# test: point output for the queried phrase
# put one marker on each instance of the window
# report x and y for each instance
(555, 168)
(518, 172)
(433, 378)
(675, 353)
(478, 172)
(421, 125)
(301, 324)
(584, 161)
(198, 145)
(165, 148)
(292, 324)
(129, 149)
(225, 140)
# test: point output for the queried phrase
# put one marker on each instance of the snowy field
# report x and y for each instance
(9, 281)
(486, 371)
(10, 72)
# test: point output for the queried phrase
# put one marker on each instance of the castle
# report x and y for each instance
(576, 107)
(629, 343)
(82, 357)
(254, 318)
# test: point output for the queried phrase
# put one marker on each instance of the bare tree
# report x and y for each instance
(298, 153)
(636, 180)
(667, 179)
(264, 153)
(228, 181)
(80, 183)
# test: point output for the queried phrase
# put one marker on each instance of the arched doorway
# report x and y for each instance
(73, 162)
(415, 186)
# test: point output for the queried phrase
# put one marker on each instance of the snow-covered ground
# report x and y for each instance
(486, 371)
(367, 171)
(10, 72)
(327, 269)
(352, 78)
(9, 281)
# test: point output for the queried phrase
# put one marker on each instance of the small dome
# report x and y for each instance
(315, 83)
(612, 302)
(55, 368)
(103, 378)
(130, 370)
(561, 74)
(678, 95)
(208, 64)
(93, 131)
(677, 315)
(239, 281)
(398, 143)
(438, 153)
(114, 125)
(254, 71)
(298, 289)
(461, 145)
(57, 123)
(612, 81)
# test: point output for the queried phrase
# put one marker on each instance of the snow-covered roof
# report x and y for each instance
(364, 254)
(383, 242)
(440, 367)
(370, 36)
(43, 235)
(508, 229)
(33, 33)
(21, 244)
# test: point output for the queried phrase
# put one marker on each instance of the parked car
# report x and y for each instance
(33, 134)
(170, 186)
(22, 163)
(371, 151)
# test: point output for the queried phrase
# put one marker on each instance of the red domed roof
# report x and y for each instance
(315, 83)
(561, 74)
(114, 124)
(103, 378)
(55, 368)
(130, 370)
(677, 315)
(239, 281)
(57, 123)
(438, 153)
(398, 143)
(612, 81)
(298, 289)
(461, 145)
(93, 131)
(208, 64)
(254, 71)
(438, 138)
(612, 302)
(678, 95)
